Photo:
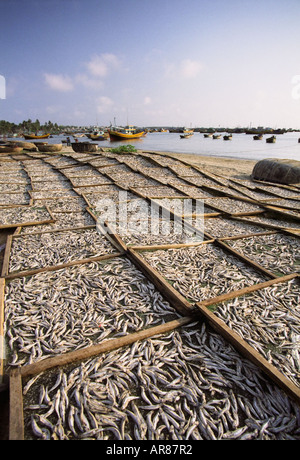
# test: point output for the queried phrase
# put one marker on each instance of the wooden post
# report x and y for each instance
(2, 341)
(5, 263)
(16, 418)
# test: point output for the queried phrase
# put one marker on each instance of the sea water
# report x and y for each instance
(242, 146)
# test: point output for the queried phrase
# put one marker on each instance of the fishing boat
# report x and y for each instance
(217, 136)
(98, 135)
(6, 148)
(271, 140)
(208, 135)
(127, 132)
(186, 135)
(227, 137)
(35, 136)
(258, 137)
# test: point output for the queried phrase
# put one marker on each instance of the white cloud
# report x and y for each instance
(186, 69)
(147, 100)
(104, 103)
(59, 82)
(92, 83)
(101, 66)
(190, 69)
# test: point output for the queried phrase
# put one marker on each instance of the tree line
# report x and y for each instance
(29, 126)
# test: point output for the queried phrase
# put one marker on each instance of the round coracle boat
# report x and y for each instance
(82, 147)
(25, 145)
(49, 147)
(278, 171)
(10, 149)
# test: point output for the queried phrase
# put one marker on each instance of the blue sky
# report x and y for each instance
(151, 62)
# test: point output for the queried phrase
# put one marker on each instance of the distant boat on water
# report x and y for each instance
(35, 136)
(217, 136)
(208, 135)
(98, 135)
(127, 132)
(227, 137)
(186, 135)
(258, 137)
(271, 140)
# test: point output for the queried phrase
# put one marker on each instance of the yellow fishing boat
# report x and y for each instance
(33, 136)
(128, 132)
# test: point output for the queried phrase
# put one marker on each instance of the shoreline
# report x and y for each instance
(229, 167)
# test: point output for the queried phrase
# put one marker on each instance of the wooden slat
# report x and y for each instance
(245, 259)
(2, 340)
(108, 345)
(27, 224)
(283, 212)
(105, 229)
(247, 235)
(170, 246)
(16, 419)
(246, 290)
(248, 352)
(54, 230)
(263, 224)
(59, 267)
(5, 263)
(166, 289)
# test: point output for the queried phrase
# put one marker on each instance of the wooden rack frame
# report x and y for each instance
(190, 311)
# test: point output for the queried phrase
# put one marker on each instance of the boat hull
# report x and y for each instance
(115, 135)
(97, 138)
(32, 136)
(186, 136)
(271, 140)
(83, 147)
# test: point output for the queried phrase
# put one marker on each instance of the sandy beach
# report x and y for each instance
(228, 167)
(240, 169)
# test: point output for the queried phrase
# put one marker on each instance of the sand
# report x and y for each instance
(240, 169)
(228, 167)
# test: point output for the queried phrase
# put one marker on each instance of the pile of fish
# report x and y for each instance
(40, 250)
(202, 272)
(71, 308)
(278, 253)
(186, 384)
(222, 227)
(22, 214)
(269, 320)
